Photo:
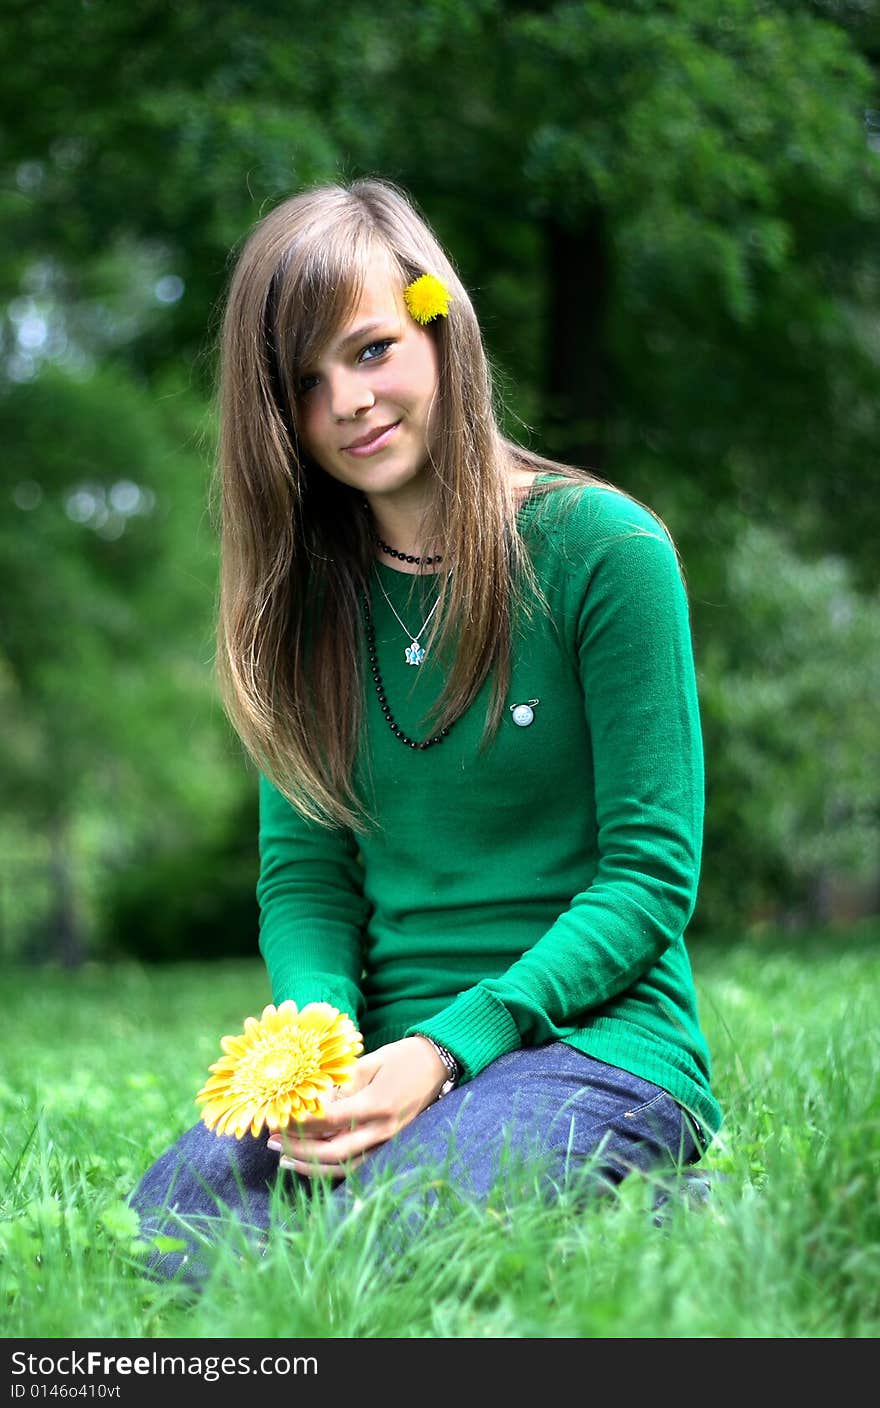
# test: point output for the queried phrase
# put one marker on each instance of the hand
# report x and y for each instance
(390, 1087)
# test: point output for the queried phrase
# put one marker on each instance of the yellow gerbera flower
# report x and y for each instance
(427, 298)
(280, 1068)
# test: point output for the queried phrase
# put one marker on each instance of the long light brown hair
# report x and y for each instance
(296, 549)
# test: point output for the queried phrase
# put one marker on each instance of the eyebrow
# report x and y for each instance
(359, 333)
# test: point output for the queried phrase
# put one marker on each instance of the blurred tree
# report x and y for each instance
(676, 252)
(666, 213)
(790, 679)
(859, 18)
(184, 904)
(106, 695)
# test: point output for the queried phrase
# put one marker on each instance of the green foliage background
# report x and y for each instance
(667, 214)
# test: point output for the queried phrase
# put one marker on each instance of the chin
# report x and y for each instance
(388, 479)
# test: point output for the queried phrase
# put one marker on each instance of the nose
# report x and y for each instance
(349, 394)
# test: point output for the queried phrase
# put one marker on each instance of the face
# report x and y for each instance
(363, 410)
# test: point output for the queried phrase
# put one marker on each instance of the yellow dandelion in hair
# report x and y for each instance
(427, 298)
(282, 1067)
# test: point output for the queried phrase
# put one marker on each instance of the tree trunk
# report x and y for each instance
(576, 394)
(63, 930)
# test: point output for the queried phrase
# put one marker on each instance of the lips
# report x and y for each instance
(372, 441)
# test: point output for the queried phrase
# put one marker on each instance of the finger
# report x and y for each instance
(361, 1075)
(283, 1141)
(322, 1151)
(333, 1116)
(335, 1172)
(312, 1168)
(351, 1104)
(322, 1126)
(348, 1110)
(348, 1144)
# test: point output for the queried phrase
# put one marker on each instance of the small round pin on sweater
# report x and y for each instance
(523, 714)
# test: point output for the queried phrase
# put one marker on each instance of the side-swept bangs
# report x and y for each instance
(314, 291)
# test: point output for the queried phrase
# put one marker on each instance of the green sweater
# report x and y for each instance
(539, 890)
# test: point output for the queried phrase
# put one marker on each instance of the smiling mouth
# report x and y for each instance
(369, 444)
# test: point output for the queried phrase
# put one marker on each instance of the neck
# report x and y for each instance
(402, 530)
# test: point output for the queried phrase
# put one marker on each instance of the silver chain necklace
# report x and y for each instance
(414, 653)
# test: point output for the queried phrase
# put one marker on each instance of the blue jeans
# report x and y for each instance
(537, 1117)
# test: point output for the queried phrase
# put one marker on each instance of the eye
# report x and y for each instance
(305, 384)
(375, 349)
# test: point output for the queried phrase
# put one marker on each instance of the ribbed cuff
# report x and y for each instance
(317, 987)
(477, 1028)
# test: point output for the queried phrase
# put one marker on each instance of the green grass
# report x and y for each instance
(98, 1077)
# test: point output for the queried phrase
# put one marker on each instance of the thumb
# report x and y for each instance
(364, 1071)
(339, 1110)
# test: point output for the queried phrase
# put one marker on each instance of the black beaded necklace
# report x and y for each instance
(380, 688)
(405, 556)
(392, 552)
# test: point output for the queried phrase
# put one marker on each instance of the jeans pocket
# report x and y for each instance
(647, 1105)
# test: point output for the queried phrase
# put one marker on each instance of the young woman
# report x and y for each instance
(464, 675)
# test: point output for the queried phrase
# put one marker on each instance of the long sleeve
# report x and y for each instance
(311, 905)
(627, 625)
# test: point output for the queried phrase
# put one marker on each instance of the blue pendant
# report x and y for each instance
(414, 653)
